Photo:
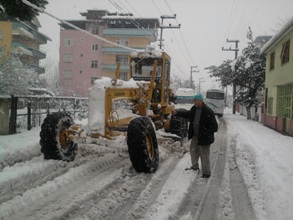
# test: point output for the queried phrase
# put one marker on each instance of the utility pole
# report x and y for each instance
(236, 55)
(165, 27)
(191, 80)
(200, 80)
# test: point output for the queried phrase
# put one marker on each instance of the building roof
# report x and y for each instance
(131, 22)
(260, 41)
(78, 23)
(278, 37)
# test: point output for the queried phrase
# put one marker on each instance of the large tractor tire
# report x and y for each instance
(179, 125)
(54, 142)
(142, 145)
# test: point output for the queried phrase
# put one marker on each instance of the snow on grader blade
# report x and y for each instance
(135, 108)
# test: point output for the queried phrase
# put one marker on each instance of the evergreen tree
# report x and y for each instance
(250, 70)
(17, 9)
(247, 72)
(223, 73)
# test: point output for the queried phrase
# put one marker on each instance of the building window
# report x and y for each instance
(285, 52)
(94, 64)
(95, 47)
(123, 59)
(68, 42)
(68, 58)
(67, 74)
(123, 76)
(95, 30)
(93, 80)
(285, 101)
(122, 41)
(272, 61)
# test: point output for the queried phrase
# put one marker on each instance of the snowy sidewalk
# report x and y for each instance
(264, 157)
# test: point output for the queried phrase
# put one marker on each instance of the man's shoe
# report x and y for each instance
(205, 176)
(194, 168)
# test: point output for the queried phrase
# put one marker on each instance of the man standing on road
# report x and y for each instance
(202, 126)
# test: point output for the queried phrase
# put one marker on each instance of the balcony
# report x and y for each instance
(37, 53)
(117, 50)
(22, 32)
(22, 29)
(123, 67)
(127, 32)
(22, 51)
(31, 51)
(38, 69)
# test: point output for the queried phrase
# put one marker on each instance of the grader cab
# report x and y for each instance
(135, 108)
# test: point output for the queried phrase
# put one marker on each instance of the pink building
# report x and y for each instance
(84, 58)
(80, 61)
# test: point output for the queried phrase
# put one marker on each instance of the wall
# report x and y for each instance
(281, 74)
(82, 55)
(6, 27)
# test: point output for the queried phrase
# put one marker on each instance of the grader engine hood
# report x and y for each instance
(98, 100)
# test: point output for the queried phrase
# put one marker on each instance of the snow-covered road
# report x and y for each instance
(100, 183)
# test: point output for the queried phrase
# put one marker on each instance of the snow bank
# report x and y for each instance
(96, 120)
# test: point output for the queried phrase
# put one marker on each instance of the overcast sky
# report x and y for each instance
(205, 26)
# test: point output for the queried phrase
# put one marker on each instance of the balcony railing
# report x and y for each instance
(32, 50)
(123, 67)
(151, 33)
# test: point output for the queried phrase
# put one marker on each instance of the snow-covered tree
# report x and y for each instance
(17, 9)
(223, 73)
(247, 72)
(16, 78)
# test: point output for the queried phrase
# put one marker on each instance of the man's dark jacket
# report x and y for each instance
(207, 124)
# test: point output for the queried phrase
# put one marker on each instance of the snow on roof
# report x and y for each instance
(277, 37)
(127, 17)
(22, 50)
(23, 31)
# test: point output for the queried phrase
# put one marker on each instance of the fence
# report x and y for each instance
(19, 113)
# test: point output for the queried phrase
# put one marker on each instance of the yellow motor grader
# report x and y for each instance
(148, 101)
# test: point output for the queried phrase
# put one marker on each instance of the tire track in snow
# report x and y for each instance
(37, 198)
(135, 191)
(38, 171)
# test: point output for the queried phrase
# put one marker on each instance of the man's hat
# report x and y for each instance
(198, 96)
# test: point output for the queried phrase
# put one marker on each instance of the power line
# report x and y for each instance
(156, 7)
(77, 28)
(169, 51)
(231, 20)
(182, 38)
(133, 8)
(242, 16)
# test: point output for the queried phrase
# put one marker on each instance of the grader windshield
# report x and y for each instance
(142, 67)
